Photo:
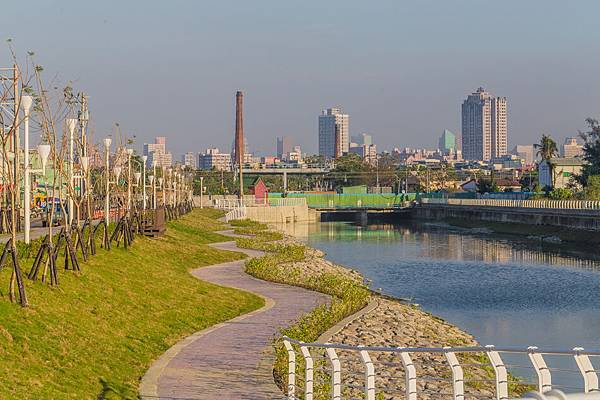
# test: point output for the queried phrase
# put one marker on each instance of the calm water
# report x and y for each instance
(503, 291)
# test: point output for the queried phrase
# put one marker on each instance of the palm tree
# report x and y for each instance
(546, 151)
(546, 148)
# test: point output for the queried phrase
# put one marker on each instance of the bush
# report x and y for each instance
(592, 190)
(560, 194)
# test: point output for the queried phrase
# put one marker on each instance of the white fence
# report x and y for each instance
(236, 213)
(288, 201)
(555, 204)
(371, 373)
(225, 204)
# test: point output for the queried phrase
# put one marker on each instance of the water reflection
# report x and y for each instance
(504, 291)
(443, 243)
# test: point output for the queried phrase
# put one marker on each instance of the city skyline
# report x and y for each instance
(404, 92)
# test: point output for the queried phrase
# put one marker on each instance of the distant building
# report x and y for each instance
(367, 152)
(188, 160)
(559, 172)
(213, 159)
(447, 143)
(285, 145)
(571, 148)
(484, 126)
(363, 139)
(526, 152)
(333, 133)
(157, 152)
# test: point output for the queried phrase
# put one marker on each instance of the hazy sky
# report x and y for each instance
(401, 69)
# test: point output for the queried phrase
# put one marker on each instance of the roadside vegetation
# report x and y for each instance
(348, 295)
(96, 334)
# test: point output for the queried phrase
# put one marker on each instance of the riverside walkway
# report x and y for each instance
(232, 360)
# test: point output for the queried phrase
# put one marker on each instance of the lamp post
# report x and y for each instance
(129, 154)
(117, 171)
(144, 159)
(201, 191)
(107, 142)
(85, 163)
(153, 185)
(137, 175)
(151, 178)
(160, 183)
(27, 101)
(71, 123)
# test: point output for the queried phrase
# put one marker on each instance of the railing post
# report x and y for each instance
(308, 373)
(590, 379)
(541, 369)
(458, 388)
(369, 375)
(500, 373)
(336, 374)
(291, 388)
(410, 373)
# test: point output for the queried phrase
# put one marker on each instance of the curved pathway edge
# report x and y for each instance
(194, 368)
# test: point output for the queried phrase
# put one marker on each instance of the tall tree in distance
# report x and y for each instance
(546, 148)
(591, 151)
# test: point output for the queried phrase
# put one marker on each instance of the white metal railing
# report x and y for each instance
(236, 213)
(225, 204)
(317, 370)
(555, 204)
(288, 201)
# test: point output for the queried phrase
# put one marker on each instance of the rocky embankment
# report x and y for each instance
(393, 323)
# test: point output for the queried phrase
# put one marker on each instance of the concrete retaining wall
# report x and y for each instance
(279, 214)
(573, 219)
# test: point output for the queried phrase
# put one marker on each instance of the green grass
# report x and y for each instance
(96, 334)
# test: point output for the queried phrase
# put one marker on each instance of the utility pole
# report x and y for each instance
(239, 137)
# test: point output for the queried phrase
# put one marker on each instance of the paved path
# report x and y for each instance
(232, 360)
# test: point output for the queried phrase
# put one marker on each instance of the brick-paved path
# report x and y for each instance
(232, 360)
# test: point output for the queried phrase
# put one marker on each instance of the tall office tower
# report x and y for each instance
(285, 145)
(157, 152)
(571, 148)
(447, 142)
(484, 126)
(333, 133)
(238, 150)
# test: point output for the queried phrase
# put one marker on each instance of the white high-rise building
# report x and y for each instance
(484, 126)
(189, 160)
(334, 138)
(157, 152)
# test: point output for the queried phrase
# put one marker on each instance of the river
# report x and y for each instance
(503, 290)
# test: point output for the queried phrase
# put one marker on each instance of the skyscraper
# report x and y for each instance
(571, 148)
(333, 133)
(285, 145)
(484, 126)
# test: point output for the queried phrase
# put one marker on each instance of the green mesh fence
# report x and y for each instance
(336, 200)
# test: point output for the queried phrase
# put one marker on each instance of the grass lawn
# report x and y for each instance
(96, 334)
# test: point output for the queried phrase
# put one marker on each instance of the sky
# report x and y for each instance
(400, 69)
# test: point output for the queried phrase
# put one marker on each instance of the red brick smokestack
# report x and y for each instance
(239, 137)
(239, 129)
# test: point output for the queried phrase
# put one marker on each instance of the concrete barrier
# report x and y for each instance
(279, 214)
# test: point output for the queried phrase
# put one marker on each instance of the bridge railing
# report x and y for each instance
(336, 371)
(555, 204)
(230, 204)
(288, 201)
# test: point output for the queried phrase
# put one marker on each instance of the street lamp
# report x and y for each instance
(144, 159)
(153, 185)
(107, 142)
(201, 190)
(71, 123)
(151, 177)
(27, 102)
(129, 154)
(160, 183)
